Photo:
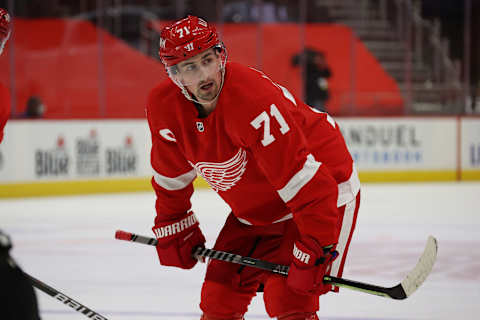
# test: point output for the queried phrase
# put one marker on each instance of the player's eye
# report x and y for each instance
(190, 67)
(207, 61)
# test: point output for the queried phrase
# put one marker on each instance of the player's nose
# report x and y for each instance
(203, 73)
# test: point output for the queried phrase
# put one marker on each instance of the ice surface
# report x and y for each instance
(68, 243)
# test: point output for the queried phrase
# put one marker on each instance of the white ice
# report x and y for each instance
(68, 243)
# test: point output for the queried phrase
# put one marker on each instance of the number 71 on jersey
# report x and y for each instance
(264, 119)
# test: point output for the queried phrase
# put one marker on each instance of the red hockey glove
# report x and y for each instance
(177, 239)
(310, 263)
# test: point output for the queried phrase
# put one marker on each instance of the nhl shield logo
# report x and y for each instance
(200, 127)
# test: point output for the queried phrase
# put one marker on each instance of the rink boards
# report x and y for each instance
(50, 157)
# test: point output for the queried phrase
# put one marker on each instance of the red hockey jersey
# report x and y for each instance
(267, 154)
(4, 108)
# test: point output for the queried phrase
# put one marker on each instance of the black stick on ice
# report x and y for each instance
(403, 290)
(77, 306)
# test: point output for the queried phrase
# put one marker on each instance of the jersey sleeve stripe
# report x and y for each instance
(347, 190)
(345, 234)
(176, 183)
(300, 179)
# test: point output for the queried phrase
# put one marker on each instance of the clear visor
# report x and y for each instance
(4, 42)
(200, 69)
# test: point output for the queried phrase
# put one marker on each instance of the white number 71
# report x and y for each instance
(265, 119)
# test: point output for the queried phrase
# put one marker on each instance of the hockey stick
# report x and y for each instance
(77, 306)
(403, 290)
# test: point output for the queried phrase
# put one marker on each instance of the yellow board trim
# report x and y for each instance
(470, 175)
(407, 176)
(200, 183)
(65, 188)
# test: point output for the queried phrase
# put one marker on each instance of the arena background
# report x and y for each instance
(404, 89)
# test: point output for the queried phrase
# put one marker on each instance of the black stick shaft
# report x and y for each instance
(238, 259)
(395, 292)
(77, 306)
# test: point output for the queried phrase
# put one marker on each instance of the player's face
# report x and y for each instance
(201, 75)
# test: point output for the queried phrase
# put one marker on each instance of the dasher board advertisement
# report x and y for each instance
(44, 151)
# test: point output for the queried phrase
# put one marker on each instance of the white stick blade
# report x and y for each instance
(417, 276)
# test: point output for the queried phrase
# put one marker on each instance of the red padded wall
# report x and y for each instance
(374, 91)
(61, 62)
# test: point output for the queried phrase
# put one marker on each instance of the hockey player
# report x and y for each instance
(282, 167)
(5, 30)
(17, 294)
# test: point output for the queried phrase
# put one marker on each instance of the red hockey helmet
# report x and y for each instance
(5, 27)
(185, 39)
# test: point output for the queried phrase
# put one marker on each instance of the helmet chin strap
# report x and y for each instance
(4, 42)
